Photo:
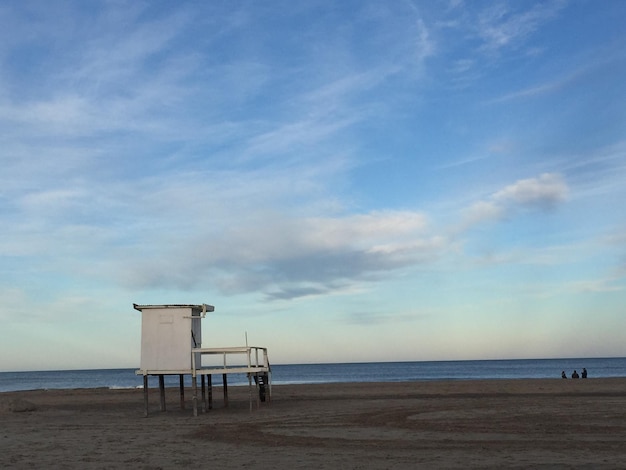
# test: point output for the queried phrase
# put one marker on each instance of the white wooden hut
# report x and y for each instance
(171, 344)
(168, 334)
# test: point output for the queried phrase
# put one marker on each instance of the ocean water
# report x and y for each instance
(332, 373)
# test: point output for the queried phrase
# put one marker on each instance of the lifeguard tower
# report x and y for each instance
(171, 344)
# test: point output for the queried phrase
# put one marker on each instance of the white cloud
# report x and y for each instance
(276, 253)
(364, 228)
(545, 191)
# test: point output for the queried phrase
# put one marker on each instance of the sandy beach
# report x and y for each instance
(449, 424)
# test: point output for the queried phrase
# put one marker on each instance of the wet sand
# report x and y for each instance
(445, 424)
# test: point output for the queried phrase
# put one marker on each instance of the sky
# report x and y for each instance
(344, 181)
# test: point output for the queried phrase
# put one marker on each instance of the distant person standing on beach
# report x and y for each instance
(584, 373)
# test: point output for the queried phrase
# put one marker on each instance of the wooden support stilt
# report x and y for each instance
(225, 382)
(145, 396)
(258, 391)
(210, 386)
(250, 390)
(203, 393)
(194, 386)
(181, 378)
(162, 391)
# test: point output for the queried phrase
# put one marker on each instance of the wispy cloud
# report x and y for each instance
(382, 318)
(498, 30)
(504, 24)
(596, 286)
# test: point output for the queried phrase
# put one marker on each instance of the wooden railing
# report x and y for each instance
(255, 364)
(256, 360)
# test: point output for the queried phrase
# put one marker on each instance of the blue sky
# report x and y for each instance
(344, 181)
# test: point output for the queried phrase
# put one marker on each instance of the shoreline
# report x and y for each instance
(313, 384)
(495, 423)
(418, 382)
